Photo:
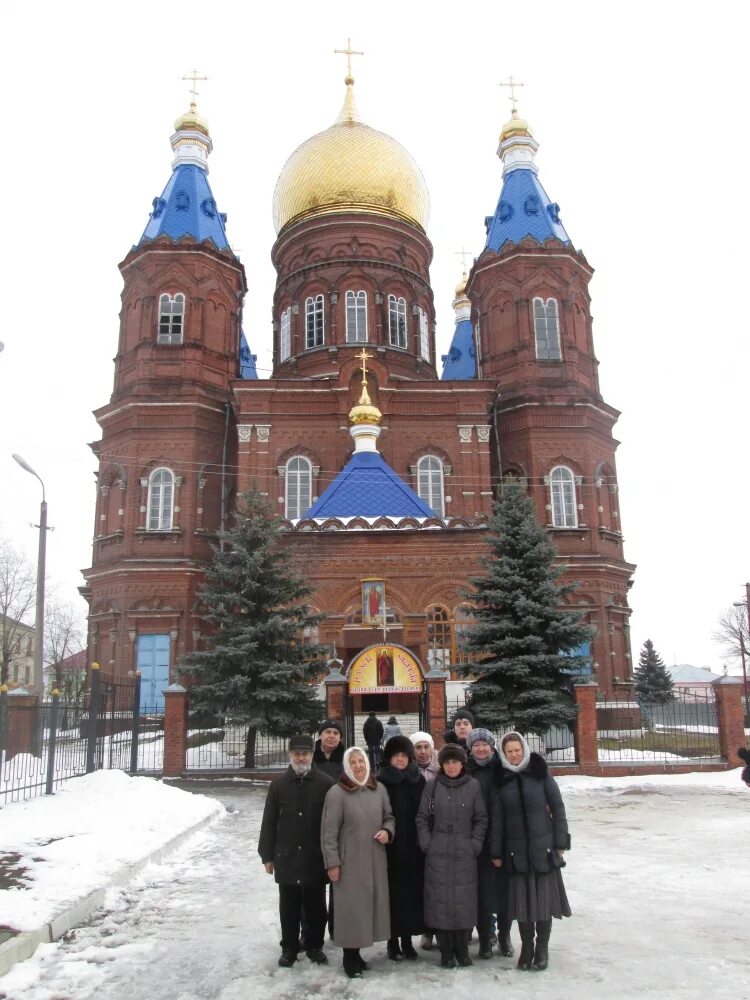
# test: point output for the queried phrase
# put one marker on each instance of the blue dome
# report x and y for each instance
(187, 208)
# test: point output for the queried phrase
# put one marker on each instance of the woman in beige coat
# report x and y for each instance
(357, 824)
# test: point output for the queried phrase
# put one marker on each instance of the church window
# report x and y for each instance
(397, 320)
(424, 335)
(439, 637)
(285, 344)
(160, 500)
(298, 487)
(546, 329)
(171, 316)
(314, 321)
(356, 317)
(430, 483)
(563, 495)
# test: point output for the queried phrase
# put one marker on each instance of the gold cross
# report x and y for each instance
(363, 358)
(348, 52)
(194, 77)
(463, 254)
(512, 84)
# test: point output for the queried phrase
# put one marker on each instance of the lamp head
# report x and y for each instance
(24, 464)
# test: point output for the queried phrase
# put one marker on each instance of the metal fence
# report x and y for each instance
(683, 729)
(221, 746)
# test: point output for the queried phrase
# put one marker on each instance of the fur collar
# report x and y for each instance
(390, 775)
(349, 785)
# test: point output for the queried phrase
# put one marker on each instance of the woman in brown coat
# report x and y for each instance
(357, 823)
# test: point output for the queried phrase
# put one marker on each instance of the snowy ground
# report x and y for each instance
(658, 879)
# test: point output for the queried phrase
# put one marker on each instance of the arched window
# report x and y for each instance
(424, 335)
(314, 321)
(160, 500)
(171, 316)
(285, 340)
(430, 483)
(547, 330)
(298, 487)
(439, 629)
(563, 497)
(397, 321)
(356, 317)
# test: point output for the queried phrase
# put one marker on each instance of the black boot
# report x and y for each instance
(288, 958)
(461, 947)
(394, 952)
(503, 938)
(527, 945)
(407, 949)
(485, 946)
(445, 944)
(351, 965)
(541, 949)
(364, 966)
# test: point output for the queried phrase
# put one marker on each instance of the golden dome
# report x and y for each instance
(461, 286)
(350, 168)
(191, 121)
(364, 412)
(516, 126)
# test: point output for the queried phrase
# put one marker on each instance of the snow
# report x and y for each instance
(75, 841)
(657, 878)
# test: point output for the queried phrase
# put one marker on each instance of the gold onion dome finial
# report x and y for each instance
(364, 412)
(350, 167)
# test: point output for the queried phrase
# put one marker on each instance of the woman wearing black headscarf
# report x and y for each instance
(404, 783)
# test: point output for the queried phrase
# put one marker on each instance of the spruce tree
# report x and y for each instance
(653, 682)
(520, 632)
(257, 670)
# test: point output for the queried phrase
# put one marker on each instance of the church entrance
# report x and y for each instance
(386, 679)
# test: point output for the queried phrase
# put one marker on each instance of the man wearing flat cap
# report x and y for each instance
(289, 847)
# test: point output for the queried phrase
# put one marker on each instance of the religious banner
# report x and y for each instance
(383, 668)
(373, 601)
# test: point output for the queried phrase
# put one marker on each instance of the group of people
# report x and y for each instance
(434, 845)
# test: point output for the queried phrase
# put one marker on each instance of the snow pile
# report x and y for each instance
(77, 840)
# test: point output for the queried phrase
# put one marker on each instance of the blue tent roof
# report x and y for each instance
(524, 209)
(460, 362)
(187, 208)
(247, 360)
(368, 487)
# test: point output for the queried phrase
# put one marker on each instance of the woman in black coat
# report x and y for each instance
(404, 783)
(528, 834)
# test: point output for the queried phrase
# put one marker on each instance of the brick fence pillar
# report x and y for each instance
(23, 723)
(435, 705)
(729, 716)
(585, 732)
(175, 730)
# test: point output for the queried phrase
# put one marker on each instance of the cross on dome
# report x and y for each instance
(348, 52)
(193, 77)
(363, 356)
(512, 84)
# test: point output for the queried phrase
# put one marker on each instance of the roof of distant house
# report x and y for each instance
(685, 672)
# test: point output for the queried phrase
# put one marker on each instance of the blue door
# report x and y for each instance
(152, 659)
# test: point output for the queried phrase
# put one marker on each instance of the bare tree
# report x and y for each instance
(17, 600)
(732, 633)
(63, 636)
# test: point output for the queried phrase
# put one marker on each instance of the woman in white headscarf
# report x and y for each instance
(357, 823)
(528, 835)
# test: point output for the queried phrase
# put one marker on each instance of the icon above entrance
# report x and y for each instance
(385, 668)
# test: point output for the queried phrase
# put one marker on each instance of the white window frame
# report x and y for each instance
(547, 329)
(285, 334)
(424, 334)
(160, 507)
(314, 322)
(356, 317)
(297, 487)
(171, 325)
(431, 483)
(397, 327)
(562, 487)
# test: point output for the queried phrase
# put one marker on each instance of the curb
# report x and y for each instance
(23, 945)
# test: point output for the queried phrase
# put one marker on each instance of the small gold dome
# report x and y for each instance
(191, 121)
(350, 167)
(516, 126)
(364, 412)
(461, 286)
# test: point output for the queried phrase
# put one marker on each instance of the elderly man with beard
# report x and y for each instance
(289, 847)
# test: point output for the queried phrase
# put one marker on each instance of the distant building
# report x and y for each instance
(73, 676)
(692, 680)
(21, 663)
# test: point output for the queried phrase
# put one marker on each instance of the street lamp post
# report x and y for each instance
(746, 605)
(40, 573)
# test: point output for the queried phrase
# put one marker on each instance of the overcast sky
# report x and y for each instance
(640, 110)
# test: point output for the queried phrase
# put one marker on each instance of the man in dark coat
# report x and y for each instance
(744, 755)
(373, 734)
(462, 724)
(328, 756)
(289, 847)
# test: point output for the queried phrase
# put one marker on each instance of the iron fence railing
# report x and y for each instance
(681, 729)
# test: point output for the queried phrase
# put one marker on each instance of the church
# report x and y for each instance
(381, 458)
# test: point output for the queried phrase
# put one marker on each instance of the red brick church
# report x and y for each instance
(382, 458)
